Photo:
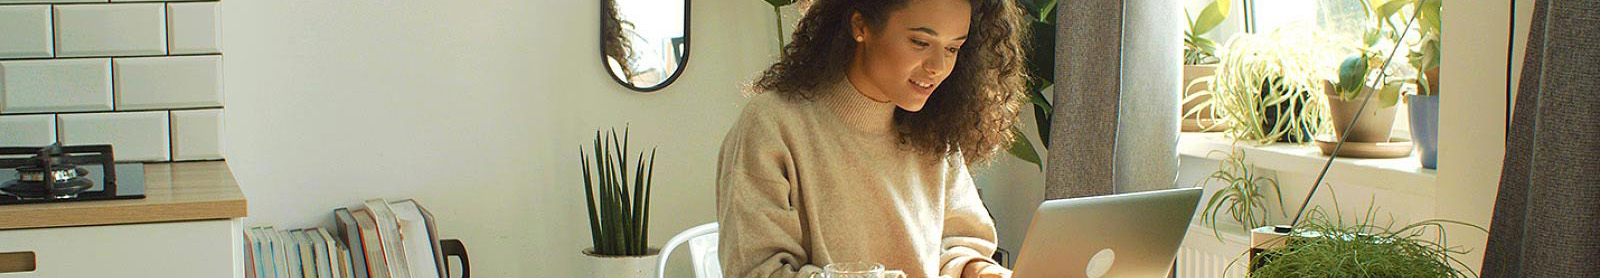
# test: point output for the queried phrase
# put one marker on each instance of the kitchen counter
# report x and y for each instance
(179, 191)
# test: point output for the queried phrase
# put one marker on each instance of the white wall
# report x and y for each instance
(1472, 116)
(474, 108)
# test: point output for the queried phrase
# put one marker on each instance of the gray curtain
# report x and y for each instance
(1547, 213)
(1118, 67)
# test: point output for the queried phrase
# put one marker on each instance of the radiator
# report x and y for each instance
(1203, 256)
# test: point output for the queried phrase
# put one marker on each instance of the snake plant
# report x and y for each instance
(619, 218)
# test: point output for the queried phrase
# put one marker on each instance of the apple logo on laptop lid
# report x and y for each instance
(1100, 263)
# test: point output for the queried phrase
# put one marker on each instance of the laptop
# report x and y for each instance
(1124, 235)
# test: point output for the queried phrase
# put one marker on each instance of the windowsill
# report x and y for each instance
(1404, 175)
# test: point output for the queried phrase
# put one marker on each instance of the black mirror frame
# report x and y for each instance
(682, 65)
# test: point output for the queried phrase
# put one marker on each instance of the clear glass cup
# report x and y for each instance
(858, 270)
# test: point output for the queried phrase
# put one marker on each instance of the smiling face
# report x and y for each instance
(904, 59)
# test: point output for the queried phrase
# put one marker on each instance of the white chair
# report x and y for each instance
(702, 251)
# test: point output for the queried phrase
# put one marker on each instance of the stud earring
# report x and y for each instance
(858, 38)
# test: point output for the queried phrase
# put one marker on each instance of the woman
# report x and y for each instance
(856, 144)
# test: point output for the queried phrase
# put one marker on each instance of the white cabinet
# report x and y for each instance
(208, 249)
(189, 225)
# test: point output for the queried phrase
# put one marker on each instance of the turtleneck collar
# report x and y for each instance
(855, 109)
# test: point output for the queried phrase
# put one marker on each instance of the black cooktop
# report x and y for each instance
(58, 173)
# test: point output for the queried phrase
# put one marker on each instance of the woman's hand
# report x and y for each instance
(983, 269)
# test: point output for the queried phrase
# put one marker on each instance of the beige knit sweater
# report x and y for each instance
(801, 184)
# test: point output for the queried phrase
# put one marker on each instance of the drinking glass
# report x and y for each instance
(858, 270)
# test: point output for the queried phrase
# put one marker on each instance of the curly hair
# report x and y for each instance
(970, 114)
(615, 43)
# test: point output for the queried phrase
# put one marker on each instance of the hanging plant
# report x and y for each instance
(1242, 194)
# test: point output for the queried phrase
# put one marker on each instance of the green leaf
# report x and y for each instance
(1047, 10)
(607, 201)
(1386, 10)
(1390, 95)
(637, 219)
(588, 197)
(1430, 15)
(649, 181)
(1023, 149)
(621, 182)
(1370, 38)
(1038, 99)
(1352, 72)
(1211, 16)
(1207, 46)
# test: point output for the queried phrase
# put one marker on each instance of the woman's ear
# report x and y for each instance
(858, 27)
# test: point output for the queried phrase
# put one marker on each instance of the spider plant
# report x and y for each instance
(618, 218)
(1203, 108)
(1326, 247)
(1198, 50)
(1241, 194)
(1269, 87)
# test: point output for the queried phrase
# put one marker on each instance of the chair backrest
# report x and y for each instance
(702, 251)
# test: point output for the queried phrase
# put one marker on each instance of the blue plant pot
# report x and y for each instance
(1425, 127)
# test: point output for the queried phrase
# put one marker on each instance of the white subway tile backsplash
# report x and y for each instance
(26, 31)
(27, 130)
(168, 82)
(192, 28)
(111, 30)
(141, 75)
(61, 85)
(134, 136)
(196, 134)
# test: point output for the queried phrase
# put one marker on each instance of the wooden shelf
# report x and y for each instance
(1404, 175)
(178, 191)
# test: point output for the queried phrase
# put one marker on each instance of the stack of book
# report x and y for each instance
(378, 239)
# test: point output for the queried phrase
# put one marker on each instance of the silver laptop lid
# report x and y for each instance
(1124, 235)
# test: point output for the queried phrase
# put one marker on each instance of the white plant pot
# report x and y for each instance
(601, 266)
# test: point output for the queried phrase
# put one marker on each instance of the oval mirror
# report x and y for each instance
(644, 44)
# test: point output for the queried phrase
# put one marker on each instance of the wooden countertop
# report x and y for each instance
(176, 191)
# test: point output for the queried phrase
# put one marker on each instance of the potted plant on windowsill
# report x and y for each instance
(1346, 98)
(1199, 63)
(1267, 87)
(1357, 74)
(619, 216)
(1423, 107)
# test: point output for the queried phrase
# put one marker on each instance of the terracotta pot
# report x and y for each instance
(603, 266)
(1373, 125)
(1190, 73)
